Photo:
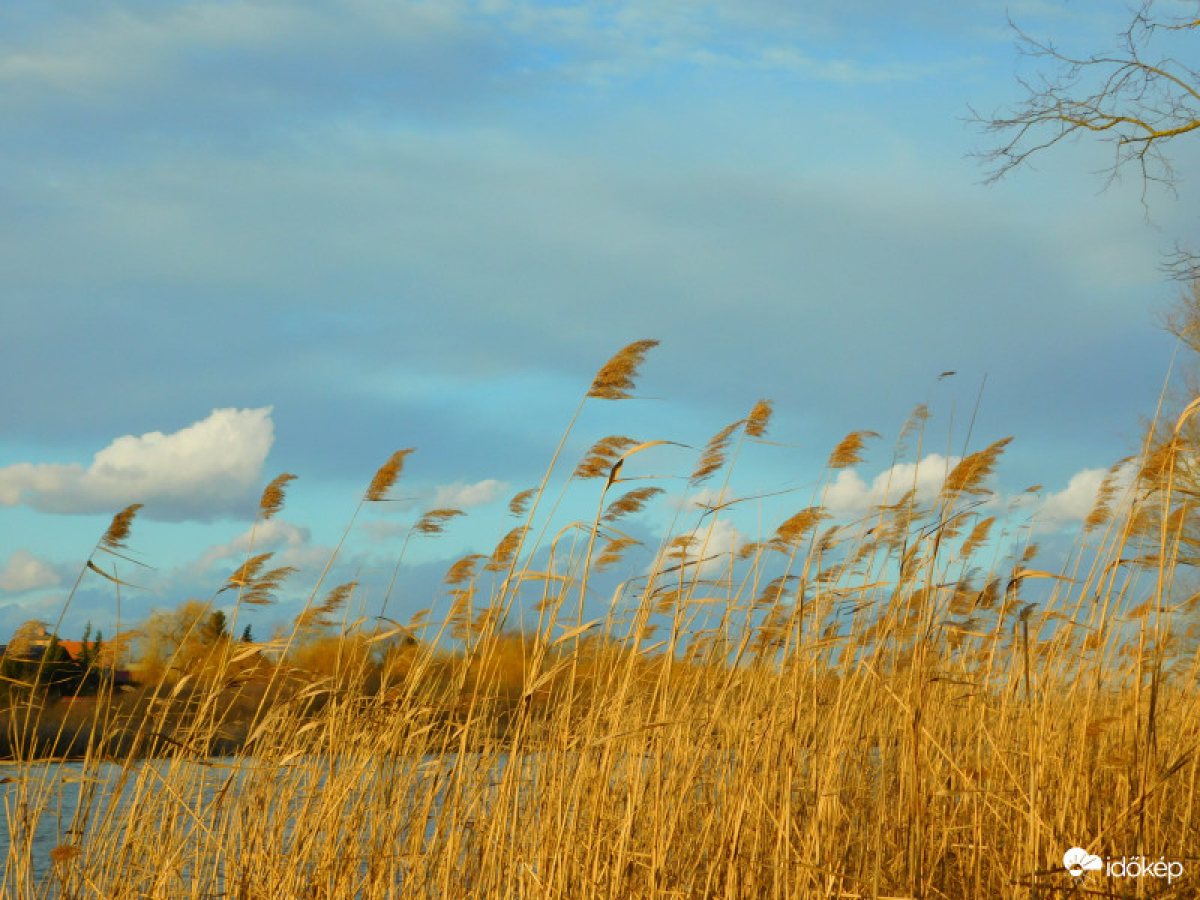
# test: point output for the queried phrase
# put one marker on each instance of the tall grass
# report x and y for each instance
(880, 708)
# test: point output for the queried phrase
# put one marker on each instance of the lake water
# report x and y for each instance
(51, 804)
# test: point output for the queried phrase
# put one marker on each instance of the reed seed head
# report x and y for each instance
(114, 538)
(795, 527)
(505, 550)
(434, 521)
(850, 451)
(614, 381)
(245, 574)
(979, 534)
(600, 459)
(520, 502)
(759, 419)
(387, 475)
(463, 570)
(272, 496)
(261, 591)
(970, 473)
(715, 453)
(916, 420)
(774, 590)
(612, 552)
(320, 616)
(632, 502)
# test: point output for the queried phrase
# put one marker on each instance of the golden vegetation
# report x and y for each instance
(839, 710)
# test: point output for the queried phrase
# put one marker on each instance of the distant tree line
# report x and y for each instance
(36, 661)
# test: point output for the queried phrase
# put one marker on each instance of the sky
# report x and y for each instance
(246, 237)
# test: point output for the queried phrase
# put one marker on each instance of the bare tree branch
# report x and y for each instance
(1129, 98)
(1137, 98)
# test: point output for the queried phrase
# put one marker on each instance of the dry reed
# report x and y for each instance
(853, 712)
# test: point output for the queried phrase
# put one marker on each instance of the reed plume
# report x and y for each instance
(118, 531)
(1101, 510)
(850, 451)
(977, 537)
(243, 576)
(915, 421)
(261, 590)
(614, 548)
(602, 457)
(505, 550)
(759, 419)
(520, 502)
(968, 476)
(715, 453)
(614, 381)
(629, 503)
(434, 521)
(463, 570)
(272, 496)
(750, 549)
(793, 529)
(320, 616)
(681, 546)
(773, 591)
(387, 476)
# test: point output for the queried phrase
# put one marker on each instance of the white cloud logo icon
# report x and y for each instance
(1077, 861)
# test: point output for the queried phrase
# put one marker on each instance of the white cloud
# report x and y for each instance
(723, 540)
(198, 472)
(106, 48)
(289, 544)
(703, 499)
(25, 572)
(1075, 502)
(715, 541)
(273, 535)
(461, 495)
(381, 530)
(845, 70)
(850, 495)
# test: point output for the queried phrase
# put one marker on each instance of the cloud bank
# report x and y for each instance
(200, 472)
(461, 495)
(850, 495)
(1075, 502)
(25, 572)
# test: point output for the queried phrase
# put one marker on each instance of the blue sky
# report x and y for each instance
(240, 238)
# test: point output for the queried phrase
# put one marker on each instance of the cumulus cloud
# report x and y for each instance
(705, 498)
(42, 608)
(714, 541)
(274, 535)
(1074, 502)
(851, 495)
(25, 572)
(199, 472)
(723, 540)
(461, 495)
(289, 544)
(381, 530)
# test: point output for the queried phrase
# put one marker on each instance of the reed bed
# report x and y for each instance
(881, 708)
